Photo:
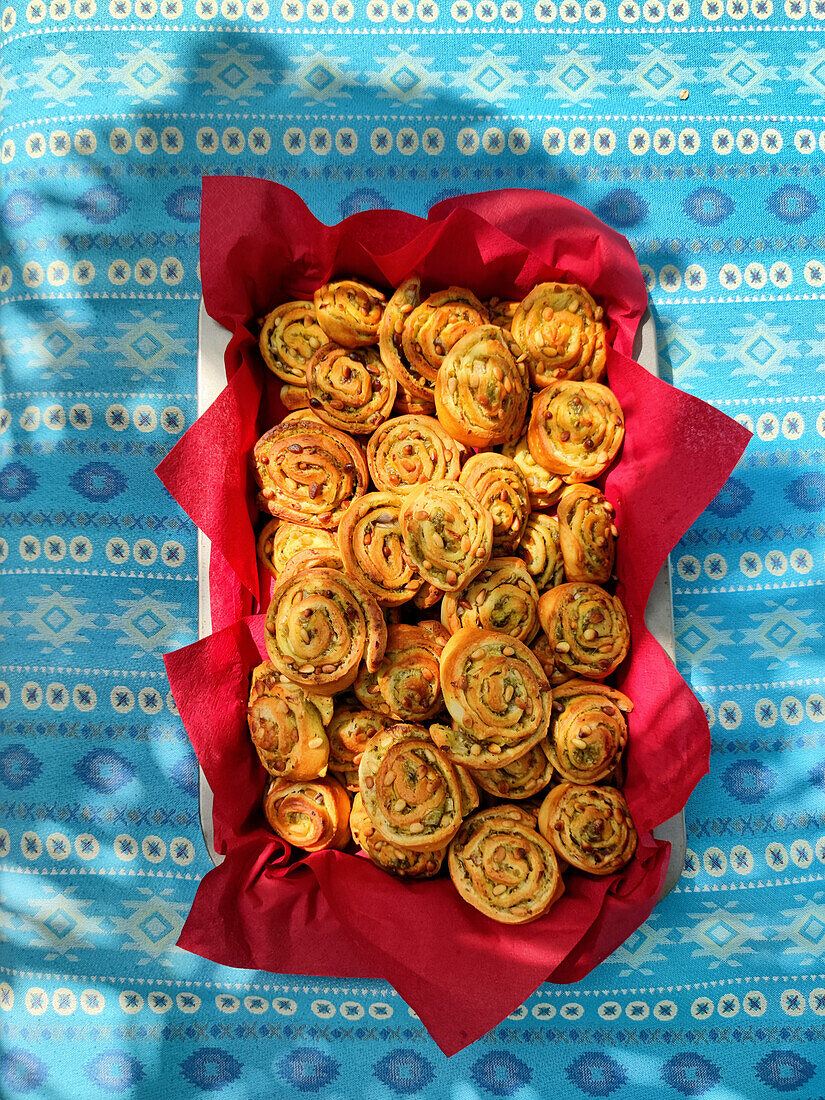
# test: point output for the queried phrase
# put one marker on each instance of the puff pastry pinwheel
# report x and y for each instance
(372, 548)
(503, 597)
(350, 389)
(481, 393)
(309, 815)
(522, 778)
(348, 732)
(410, 789)
(588, 534)
(349, 312)
(497, 484)
(587, 627)
(278, 542)
(588, 731)
(557, 325)
(448, 535)
(289, 338)
(545, 488)
(502, 311)
(590, 827)
(436, 325)
(406, 685)
(308, 473)
(319, 625)
(556, 674)
(409, 451)
(415, 386)
(498, 698)
(287, 725)
(403, 862)
(576, 429)
(540, 550)
(504, 868)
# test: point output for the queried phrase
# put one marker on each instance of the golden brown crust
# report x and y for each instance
(447, 534)
(351, 390)
(576, 429)
(406, 685)
(497, 484)
(503, 597)
(287, 726)
(522, 778)
(502, 311)
(587, 531)
(544, 488)
(540, 550)
(280, 541)
(409, 451)
(413, 385)
(587, 629)
(294, 398)
(319, 625)
(308, 474)
(349, 311)
(372, 549)
(554, 672)
(588, 731)
(309, 815)
(504, 868)
(556, 326)
(348, 732)
(435, 326)
(588, 826)
(289, 337)
(409, 789)
(405, 863)
(407, 405)
(481, 392)
(469, 791)
(498, 698)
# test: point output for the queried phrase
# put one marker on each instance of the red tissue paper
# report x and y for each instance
(332, 913)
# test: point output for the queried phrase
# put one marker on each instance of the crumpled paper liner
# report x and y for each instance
(332, 913)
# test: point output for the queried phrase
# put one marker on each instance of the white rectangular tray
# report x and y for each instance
(212, 342)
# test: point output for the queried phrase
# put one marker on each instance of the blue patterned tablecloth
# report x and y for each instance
(697, 129)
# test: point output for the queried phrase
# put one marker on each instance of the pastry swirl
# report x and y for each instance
(481, 393)
(576, 429)
(447, 534)
(410, 789)
(587, 627)
(348, 732)
(403, 862)
(409, 451)
(372, 549)
(498, 698)
(309, 815)
(540, 550)
(308, 474)
(287, 726)
(503, 597)
(390, 342)
(436, 325)
(556, 325)
(544, 488)
(289, 337)
(522, 778)
(349, 312)
(556, 674)
(319, 625)
(406, 685)
(590, 827)
(587, 532)
(350, 389)
(504, 868)
(279, 542)
(588, 731)
(497, 484)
